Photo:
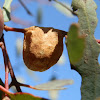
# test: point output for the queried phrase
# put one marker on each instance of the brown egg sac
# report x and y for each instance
(42, 47)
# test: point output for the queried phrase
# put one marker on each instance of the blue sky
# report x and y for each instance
(51, 17)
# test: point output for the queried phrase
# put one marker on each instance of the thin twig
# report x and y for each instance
(24, 85)
(25, 7)
(65, 7)
(6, 65)
(9, 66)
(21, 84)
(6, 28)
(14, 80)
(4, 90)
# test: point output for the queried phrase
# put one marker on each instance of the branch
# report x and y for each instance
(21, 84)
(1, 82)
(4, 90)
(6, 28)
(6, 64)
(5, 54)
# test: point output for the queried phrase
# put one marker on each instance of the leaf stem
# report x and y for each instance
(25, 85)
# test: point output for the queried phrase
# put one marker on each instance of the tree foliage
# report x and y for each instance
(43, 46)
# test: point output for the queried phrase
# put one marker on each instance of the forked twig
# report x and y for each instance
(8, 65)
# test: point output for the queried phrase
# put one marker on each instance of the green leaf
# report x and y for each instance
(75, 44)
(54, 85)
(7, 10)
(88, 66)
(86, 14)
(20, 95)
(24, 96)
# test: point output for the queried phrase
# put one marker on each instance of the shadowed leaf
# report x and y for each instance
(75, 44)
(88, 66)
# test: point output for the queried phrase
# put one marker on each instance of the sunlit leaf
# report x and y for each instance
(54, 85)
(7, 10)
(63, 10)
(1, 23)
(75, 44)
